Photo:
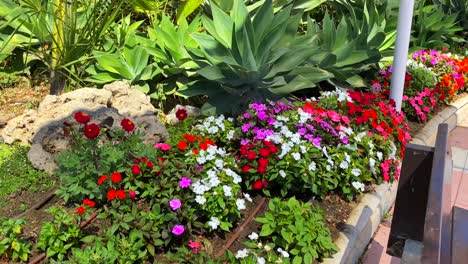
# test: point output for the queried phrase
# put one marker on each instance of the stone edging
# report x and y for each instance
(367, 215)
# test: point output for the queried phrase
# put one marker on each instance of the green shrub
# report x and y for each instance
(11, 245)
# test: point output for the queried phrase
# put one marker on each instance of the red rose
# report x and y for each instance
(263, 162)
(91, 131)
(182, 145)
(265, 152)
(102, 179)
(120, 194)
(251, 155)
(80, 210)
(82, 118)
(273, 149)
(181, 114)
(246, 168)
(258, 185)
(261, 169)
(111, 194)
(150, 164)
(89, 202)
(136, 169)
(127, 125)
(116, 177)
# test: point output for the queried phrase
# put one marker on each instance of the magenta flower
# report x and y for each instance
(175, 204)
(178, 230)
(162, 146)
(185, 182)
(132, 194)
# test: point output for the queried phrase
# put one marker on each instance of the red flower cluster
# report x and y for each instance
(127, 125)
(81, 209)
(113, 194)
(255, 157)
(116, 177)
(181, 114)
(195, 143)
(259, 184)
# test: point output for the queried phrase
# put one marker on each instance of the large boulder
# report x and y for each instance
(43, 128)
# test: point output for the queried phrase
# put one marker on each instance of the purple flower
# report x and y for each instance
(185, 182)
(316, 141)
(262, 115)
(310, 127)
(258, 107)
(345, 140)
(244, 141)
(261, 134)
(178, 230)
(246, 115)
(246, 127)
(302, 131)
(199, 167)
(271, 120)
(175, 204)
(433, 62)
(309, 137)
(376, 87)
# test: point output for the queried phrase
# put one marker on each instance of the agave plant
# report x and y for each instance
(458, 7)
(250, 55)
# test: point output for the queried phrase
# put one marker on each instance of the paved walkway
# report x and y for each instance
(376, 251)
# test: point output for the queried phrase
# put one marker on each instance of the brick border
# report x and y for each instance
(367, 215)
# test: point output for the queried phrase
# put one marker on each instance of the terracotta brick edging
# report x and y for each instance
(367, 215)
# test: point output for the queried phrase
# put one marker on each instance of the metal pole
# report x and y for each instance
(405, 17)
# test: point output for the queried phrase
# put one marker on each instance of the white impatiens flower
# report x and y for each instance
(199, 188)
(219, 163)
(267, 248)
(379, 155)
(358, 185)
(283, 252)
(242, 253)
(356, 172)
(372, 165)
(253, 236)
(227, 190)
(230, 135)
(282, 173)
(247, 197)
(328, 167)
(303, 149)
(296, 156)
(261, 260)
(312, 166)
(214, 222)
(344, 165)
(347, 157)
(200, 199)
(240, 203)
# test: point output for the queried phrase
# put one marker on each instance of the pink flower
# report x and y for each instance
(184, 182)
(175, 204)
(334, 116)
(195, 246)
(132, 194)
(345, 119)
(178, 230)
(162, 146)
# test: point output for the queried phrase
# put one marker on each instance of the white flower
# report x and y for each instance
(372, 165)
(283, 252)
(282, 118)
(253, 236)
(282, 173)
(347, 157)
(201, 159)
(242, 253)
(230, 135)
(358, 186)
(312, 166)
(214, 222)
(344, 165)
(219, 163)
(261, 260)
(267, 248)
(200, 199)
(379, 155)
(356, 172)
(296, 156)
(303, 149)
(199, 188)
(227, 190)
(247, 197)
(259, 245)
(328, 167)
(240, 204)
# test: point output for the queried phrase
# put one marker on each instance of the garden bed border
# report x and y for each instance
(367, 215)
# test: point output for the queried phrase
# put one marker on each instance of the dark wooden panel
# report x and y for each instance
(460, 236)
(411, 200)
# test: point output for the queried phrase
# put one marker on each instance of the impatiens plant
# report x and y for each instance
(12, 245)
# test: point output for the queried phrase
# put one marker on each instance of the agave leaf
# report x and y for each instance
(223, 25)
(186, 9)
(262, 21)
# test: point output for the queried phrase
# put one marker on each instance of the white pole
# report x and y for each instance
(405, 17)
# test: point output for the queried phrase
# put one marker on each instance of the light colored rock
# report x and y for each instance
(41, 159)
(43, 128)
(191, 111)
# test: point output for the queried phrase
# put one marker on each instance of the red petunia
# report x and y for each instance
(251, 155)
(89, 202)
(182, 145)
(111, 194)
(127, 125)
(261, 169)
(102, 179)
(136, 170)
(80, 210)
(181, 114)
(116, 177)
(120, 194)
(257, 185)
(265, 152)
(82, 118)
(246, 168)
(263, 162)
(91, 131)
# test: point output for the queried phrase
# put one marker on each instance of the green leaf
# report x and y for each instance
(298, 260)
(187, 8)
(223, 25)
